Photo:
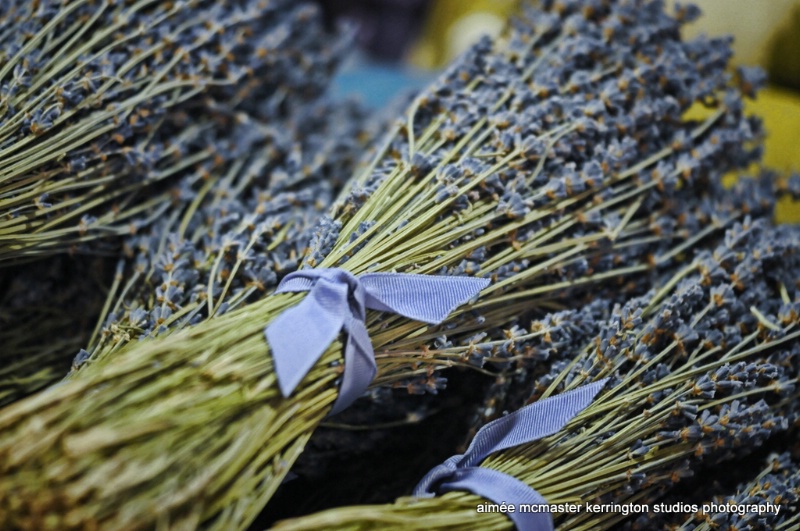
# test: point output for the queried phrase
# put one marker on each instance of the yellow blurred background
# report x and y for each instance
(767, 33)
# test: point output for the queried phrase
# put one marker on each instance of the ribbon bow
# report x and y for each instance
(537, 420)
(338, 301)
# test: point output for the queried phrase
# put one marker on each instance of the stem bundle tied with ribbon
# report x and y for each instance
(694, 374)
(338, 301)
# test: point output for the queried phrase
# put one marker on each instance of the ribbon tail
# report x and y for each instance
(531, 423)
(299, 336)
(427, 298)
(502, 489)
(537, 420)
(359, 365)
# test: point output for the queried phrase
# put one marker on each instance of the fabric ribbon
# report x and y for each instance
(338, 301)
(532, 422)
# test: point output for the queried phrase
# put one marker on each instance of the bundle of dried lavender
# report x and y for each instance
(248, 225)
(240, 153)
(94, 95)
(561, 334)
(508, 168)
(702, 370)
(515, 353)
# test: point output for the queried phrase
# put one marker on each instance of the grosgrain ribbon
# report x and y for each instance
(338, 301)
(537, 420)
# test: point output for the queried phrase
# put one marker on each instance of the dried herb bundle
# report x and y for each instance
(96, 100)
(222, 124)
(509, 167)
(702, 370)
(510, 352)
(250, 222)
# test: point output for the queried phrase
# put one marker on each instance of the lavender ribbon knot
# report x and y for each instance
(338, 301)
(537, 420)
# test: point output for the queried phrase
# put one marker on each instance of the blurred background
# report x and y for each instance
(402, 43)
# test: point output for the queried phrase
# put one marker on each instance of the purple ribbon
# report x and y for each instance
(537, 420)
(338, 301)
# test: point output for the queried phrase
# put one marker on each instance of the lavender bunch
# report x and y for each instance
(97, 100)
(518, 351)
(702, 370)
(570, 215)
(249, 224)
(505, 168)
(722, 376)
